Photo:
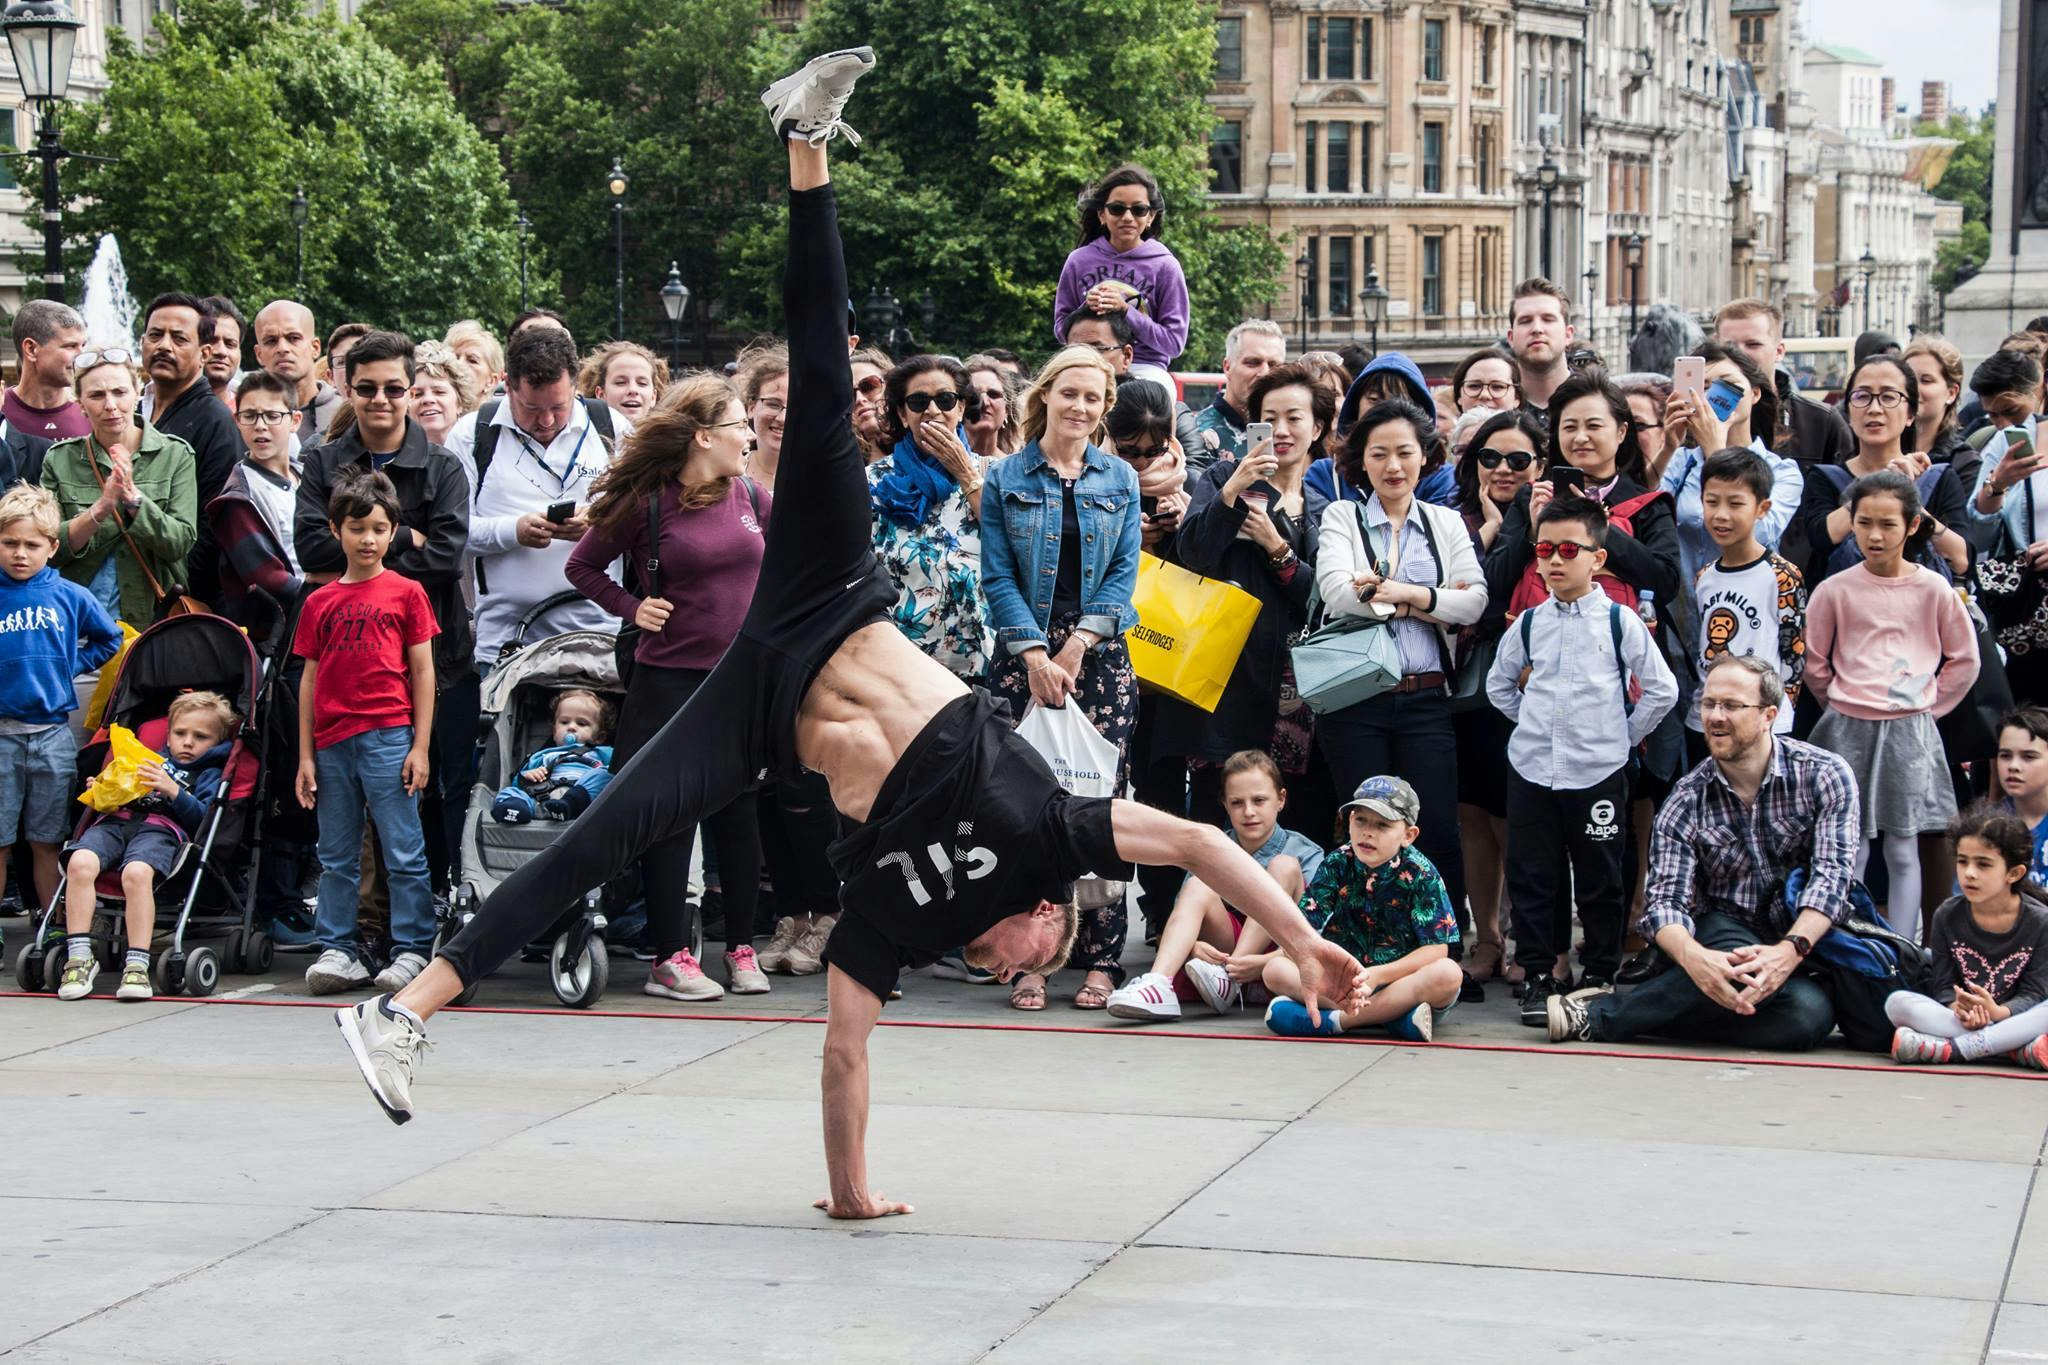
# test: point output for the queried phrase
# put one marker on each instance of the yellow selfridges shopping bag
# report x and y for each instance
(1190, 631)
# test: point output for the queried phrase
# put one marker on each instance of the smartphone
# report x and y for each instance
(1689, 375)
(1149, 506)
(1724, 398)
(561, 511)
(2017, 446)
(1255, 433)
(1566, 481)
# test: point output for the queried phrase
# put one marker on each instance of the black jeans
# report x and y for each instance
(1796, 1019)
(819, 583)
(1160, 781)
(653, 696)
(1563, 842)
(1408, 735)
(798, 823)
(458, 711)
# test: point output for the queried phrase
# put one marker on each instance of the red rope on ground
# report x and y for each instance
(1954, 1073)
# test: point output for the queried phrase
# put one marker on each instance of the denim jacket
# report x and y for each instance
(1020, 558)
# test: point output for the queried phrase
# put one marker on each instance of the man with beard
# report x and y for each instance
(177, 332)
(1540, 334)
(1713, 909)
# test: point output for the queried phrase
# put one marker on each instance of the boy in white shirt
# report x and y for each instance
(1750, 601)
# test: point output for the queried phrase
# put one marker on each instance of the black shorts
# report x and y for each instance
(118, 841)
(969, 828)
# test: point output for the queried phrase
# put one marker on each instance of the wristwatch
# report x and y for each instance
(1801, 944)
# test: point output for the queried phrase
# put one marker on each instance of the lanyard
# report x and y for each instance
(562, 479)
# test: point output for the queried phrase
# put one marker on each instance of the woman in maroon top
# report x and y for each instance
(688, 453)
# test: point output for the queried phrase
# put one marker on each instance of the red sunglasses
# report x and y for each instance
(1566, 550)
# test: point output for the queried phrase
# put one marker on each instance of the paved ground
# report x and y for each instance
(196, 1182)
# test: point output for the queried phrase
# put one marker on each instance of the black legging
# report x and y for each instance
(819, 583)
(653, 695)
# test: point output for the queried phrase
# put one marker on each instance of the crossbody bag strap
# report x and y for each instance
(1628, 708)
(652, 587)
(156, 589)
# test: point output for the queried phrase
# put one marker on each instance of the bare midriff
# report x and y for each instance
(871, 699)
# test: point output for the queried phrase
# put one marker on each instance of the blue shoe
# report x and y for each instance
(1290, 1020)
(1416, 1026)
(509, 812)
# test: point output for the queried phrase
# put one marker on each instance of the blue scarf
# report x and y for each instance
(914, 483)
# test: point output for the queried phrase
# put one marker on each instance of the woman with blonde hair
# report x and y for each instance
(479, 350)
(871, 367)
(680, 477)
(764, 387)
(992, 407)
(443, 389)
(1059, 562)
(1938, 367)
(626, 375)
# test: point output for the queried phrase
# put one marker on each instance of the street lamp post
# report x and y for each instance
(675, 301)
(525, 226)
(1301, 268)
(1374, 300)
(615, 185)
(1867, 263)
(42, 35)
(299, 206)
(884, 317)
(1546, 180)
(1635, 280)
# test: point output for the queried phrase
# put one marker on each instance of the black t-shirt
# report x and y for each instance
(970, 827)
(1066, 587)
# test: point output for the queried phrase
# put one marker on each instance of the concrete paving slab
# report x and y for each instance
(2029, 1280)
(520, 1052)
(1694, 1212)
(522, 1289)
(28, 1026)
(1009, 1172)
(63, 1259)
(1895, 1113)
(1080, 1074)
(2021, 1335)
(1165, 1305)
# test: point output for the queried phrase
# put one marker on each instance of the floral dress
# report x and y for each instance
(936, 566)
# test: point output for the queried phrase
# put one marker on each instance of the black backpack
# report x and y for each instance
(600, 418)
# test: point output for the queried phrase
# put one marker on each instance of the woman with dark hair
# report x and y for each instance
(1704, 432)
(685, 456)
(927, 499)
(1501, 459)
(1119, 265)
(1487, 378)
(1398, 559)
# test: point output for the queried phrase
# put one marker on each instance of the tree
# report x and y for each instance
(1967, 181)
(231, 107)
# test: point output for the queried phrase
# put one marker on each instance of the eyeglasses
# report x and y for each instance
(1567, 550)
(1101, 347)
(945, 400)
(392, 392)
(773, 407)
(1709, 707)
(1884, 398)
(743, 422)
(1488, 388)
(869, 387)
(1128, 210)
(113, 355)
(1517, 460)
(262, 417)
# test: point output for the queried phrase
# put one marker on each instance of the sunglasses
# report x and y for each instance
(869, 387)
(945, 401)
(393, 392)
(113, 355)
(1567, 550)
(1137, 455)
(1128, 210)
(1517, 460)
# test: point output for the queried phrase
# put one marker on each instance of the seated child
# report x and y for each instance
(564, 778)
(1208, 951)
(142, 838)
(1385, 903)
(1990, 950)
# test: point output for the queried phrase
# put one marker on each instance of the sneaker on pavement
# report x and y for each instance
(743, 969)
(134, 985)
(400, 973)
(335, 971)
(1146, 998)
(386, 1045)
(954, 966)
(1924, 1049)
(79, 974)
(1289, 1019)
(807, 103)
(807, 954)
(1591, 984)
(1214, 985)
(1570, 1017)
(1536, 1004)
(681, 978)
(2034, 1056)
(775, 957)
(1416, 1026)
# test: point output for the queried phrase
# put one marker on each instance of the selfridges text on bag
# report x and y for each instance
(1085, 764)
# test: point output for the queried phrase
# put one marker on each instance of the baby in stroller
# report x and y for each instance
(563, 779)
(142, 838)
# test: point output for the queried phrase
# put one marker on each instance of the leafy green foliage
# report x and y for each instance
(1966, 181)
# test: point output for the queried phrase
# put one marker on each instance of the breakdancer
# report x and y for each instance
(960, 833)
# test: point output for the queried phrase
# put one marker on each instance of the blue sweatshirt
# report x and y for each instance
(51, 630)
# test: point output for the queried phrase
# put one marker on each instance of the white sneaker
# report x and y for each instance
(807, 103)
(334, 971)
(743, 969)
(681, 977)
(386, 1046)
(807, 954)
(400, 973)
(788, 929)
(1147, 998)
(1214, 985)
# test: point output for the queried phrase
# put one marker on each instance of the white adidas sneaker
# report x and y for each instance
(1147, 999)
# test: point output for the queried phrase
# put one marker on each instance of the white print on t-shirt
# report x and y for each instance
(978, 861)
(29, 618)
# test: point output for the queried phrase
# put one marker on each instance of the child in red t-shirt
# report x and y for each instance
(366, 713)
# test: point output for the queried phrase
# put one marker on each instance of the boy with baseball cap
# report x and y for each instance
(1385, 903)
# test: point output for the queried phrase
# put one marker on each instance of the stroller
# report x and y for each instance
(180, 654)
(518, 707)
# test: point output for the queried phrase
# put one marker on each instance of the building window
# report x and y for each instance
(1365, 49)
(1315, 276)
(1340, 277)
(1432, 158)
(1432, 49)
(1230, 49)
(1488, 36)
(1482, 154)
(1486, 245)
(1365, 160)
(1314, 48)
(1337, 65)
(1308, 158)
(1432, 276)
(1337, 147)
(1226, 158)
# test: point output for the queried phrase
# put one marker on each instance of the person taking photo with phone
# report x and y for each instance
(1731, 407)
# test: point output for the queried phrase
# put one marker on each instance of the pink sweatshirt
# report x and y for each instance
(1880, 648)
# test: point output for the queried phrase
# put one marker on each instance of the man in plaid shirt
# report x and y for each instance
(1732, 828)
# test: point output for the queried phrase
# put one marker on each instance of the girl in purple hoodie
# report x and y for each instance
(1122, 267)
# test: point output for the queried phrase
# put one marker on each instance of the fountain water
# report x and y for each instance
(108, 309)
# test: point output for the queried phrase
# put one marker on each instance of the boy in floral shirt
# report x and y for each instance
(1385, 903)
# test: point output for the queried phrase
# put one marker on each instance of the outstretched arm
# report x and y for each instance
(1155, 839)
(853, 1012)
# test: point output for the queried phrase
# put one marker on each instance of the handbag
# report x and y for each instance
(627, 645)
(1468, 684)
(2010, 590)
(1342, 661)
(1190, 631)
(1084, 763)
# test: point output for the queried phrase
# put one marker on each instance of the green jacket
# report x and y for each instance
(163, 527)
